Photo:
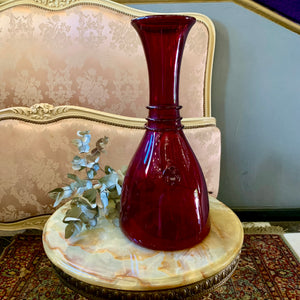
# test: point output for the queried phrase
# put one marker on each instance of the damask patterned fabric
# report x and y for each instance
(87, 56)
(38, 158)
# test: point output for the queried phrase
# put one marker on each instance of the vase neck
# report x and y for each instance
(163, 38)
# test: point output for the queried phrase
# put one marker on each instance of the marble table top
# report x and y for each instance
(104, 257)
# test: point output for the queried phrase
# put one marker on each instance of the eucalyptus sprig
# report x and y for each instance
(90, 197)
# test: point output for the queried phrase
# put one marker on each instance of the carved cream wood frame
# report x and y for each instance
(56, 5)
(44, 113)
(30, 223)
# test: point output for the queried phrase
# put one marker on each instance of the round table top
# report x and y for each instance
(104, 257)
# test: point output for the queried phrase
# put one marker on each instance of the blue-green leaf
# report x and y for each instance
(104, 196)
(89, 213)
(83, 143)
(113, 194)
(84, 201)
(72, 176)
(73, 228)
(110, 180)
(70, 219)
(74, 186)
(91, 173)
(91, 195)
(67, 192)
(93, 222)
(59, 194)
(88, 184)
(119, 189)
(74, 212)
(80, 190)
(108, 170)
(82, 133)
(53, 194)
(80, 182)
(96, 167)
(78, 163)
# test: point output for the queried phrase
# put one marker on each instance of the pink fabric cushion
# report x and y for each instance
(36, 158)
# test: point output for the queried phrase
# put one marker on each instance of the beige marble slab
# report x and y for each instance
(103, 256)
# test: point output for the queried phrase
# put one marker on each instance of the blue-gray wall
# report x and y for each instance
(256, 101)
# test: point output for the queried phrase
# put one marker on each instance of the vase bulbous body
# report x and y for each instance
(164, 203)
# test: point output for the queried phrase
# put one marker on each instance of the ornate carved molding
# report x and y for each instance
(43, 113)
(190, 291)
(56, 3)
(30, 223)
(40, 111)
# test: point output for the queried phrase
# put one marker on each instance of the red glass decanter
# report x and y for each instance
(164, 203)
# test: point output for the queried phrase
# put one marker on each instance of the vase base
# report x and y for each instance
(158, 244)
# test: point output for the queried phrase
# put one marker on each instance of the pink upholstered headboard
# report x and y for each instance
(88, 54)
(85, 61)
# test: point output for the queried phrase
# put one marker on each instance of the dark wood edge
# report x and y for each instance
(268, 215)
(185, 292)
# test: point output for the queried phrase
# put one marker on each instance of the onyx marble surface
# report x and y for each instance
(103, 256)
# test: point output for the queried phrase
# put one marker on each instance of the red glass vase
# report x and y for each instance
(164, 203)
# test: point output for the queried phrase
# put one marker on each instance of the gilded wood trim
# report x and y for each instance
(56, 5)
(30, 223)
(43, 113)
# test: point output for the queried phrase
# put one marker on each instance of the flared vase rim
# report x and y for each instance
(164, 19)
